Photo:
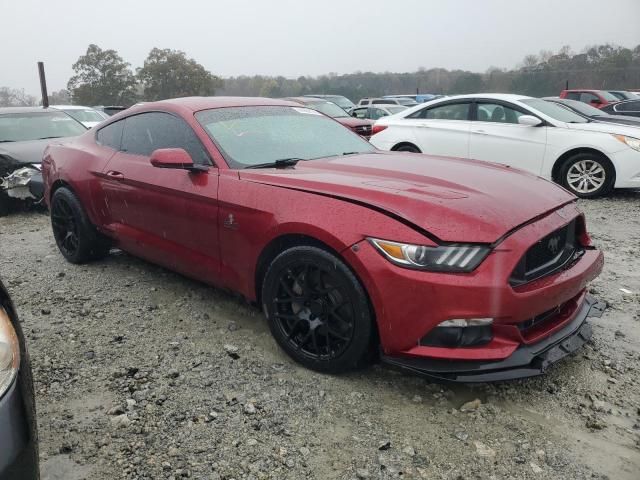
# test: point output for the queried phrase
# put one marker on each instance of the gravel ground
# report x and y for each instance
(143, 374)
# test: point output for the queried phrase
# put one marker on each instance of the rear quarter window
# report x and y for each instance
(111, 135)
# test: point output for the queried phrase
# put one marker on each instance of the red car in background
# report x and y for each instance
(457, 269)
(595, 98)
(361, 126)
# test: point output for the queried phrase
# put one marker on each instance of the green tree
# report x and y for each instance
(169, 74)
(12, 97)
(102, 77)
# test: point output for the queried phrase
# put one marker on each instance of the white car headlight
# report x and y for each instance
(442, 258)
(9, 352)
(631, 142)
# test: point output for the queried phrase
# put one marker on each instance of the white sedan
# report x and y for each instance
(586, 157)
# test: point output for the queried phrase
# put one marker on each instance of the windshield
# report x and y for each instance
(88, 115)
(342, 102)
(554, 111)
(395, 109)
(581, 107)
(256, 135)
(20, 127)
(609, 96)
(406, 101)
(328, 108)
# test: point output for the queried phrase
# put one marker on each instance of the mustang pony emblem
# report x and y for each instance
(554, 245)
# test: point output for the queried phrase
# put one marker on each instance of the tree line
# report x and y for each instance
(103, 77)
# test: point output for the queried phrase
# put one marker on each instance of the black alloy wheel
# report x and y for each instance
(76, 237)
(65, 227)
(317, 310)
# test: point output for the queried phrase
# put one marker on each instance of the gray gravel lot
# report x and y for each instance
(143, 374)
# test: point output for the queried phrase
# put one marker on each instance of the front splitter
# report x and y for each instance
(526, 361)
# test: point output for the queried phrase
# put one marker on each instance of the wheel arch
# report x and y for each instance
(405, 144)
(288, 240)
(557, 166)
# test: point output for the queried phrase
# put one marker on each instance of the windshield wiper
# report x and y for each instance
(281, 163)
(6, 141)
(47, 138)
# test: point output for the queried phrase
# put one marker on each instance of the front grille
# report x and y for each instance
(364, 130)
(553, 252)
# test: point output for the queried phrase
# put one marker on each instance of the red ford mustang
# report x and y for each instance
(456, 269)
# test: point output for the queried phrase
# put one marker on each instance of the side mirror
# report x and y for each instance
(177, 158)
(529, 120)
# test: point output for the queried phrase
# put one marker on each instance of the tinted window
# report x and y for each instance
(450, 111)
(111, 135)
(633, 106)
(573, 95)
(255, 135)
(377, 113)
(385, 102)
(588, 98)
(493, 112)
(359, 112)
(147, 132)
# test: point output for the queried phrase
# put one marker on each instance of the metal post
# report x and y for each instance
(43, 85)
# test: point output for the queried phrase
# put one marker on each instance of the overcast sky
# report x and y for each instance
(303, 37)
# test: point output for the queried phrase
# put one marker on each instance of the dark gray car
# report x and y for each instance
(24, 134)
(18, 431)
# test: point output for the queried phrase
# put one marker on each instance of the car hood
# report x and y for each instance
(603, 127)
(24, 152)
(621, 119)
(451, 199)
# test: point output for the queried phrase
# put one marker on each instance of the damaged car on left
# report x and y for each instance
(24, 133)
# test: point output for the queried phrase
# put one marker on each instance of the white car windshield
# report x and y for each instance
(554, 111)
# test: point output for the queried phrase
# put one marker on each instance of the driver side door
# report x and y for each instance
(166, 215)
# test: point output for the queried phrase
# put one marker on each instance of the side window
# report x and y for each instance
(377, 113)
(111, 135)
(493, 112)
(573, 95)
(588, 97)
(147, 132)
(359, 113)
(628, 107)
(450, 111)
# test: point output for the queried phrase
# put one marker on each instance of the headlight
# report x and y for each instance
(9, 352)
(631, 142)
(444, 258)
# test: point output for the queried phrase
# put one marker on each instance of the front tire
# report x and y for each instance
(587, 175)
(317, 310)
(76, 237)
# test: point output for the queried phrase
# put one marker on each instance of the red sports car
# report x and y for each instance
(456, 269)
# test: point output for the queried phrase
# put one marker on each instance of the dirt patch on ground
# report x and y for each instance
(133, 381)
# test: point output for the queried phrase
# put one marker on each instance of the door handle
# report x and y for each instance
(115, 175)
(481, 132)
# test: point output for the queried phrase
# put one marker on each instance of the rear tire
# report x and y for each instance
(317, 310)
(587, 175)
(76, 237)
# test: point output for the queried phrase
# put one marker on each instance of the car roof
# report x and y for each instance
(5, 110)
(510, 97)
(71, 107)
(304, 100)
(205, 103)
(585, 90)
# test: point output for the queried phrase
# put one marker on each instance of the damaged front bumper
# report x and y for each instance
(23, 183)
(526, 361)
